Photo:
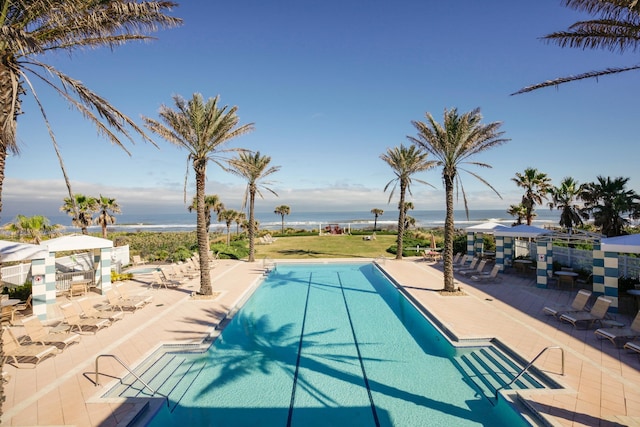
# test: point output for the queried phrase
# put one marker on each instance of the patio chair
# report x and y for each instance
(137, 260)
(73, 319)
(579, 303)
(160, 280)
(491, 276)
(24, 305)
(89, 311)
(616, 335)
(477, 270)
(597, 314)
(116, 302)
(124, 294)
(7, 314)
(24, 353)
(40, 334)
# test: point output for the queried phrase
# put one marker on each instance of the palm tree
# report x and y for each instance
(408, 220)
(228, 216)
(200, 128)
(32, 28)
(607, 200)
(211, 203)
(32, 229)
(376, 213)
(254, 168)
(519, 211)
(536, 185)
(240, 218)
(405, 162)
(615, 28)
(282, 210)
(565, 198)
(106, 207)
(85, 206)
(453, 143)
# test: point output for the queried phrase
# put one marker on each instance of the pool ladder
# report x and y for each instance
(530, 364)
(117, 359)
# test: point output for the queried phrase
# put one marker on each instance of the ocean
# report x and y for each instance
(310, 220)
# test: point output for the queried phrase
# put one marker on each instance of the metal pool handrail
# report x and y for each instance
(526, 368)
(153, 392)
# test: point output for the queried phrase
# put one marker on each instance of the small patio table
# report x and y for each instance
(567, 276)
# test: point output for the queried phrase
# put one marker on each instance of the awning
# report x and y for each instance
(629, 244)
(76, 242)
(522, 230)
(15, 251)
(485, 227)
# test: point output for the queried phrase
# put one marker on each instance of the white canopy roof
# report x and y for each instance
(522, 230)
(15, 251)
(76, 242)
(485, 227)
(629, 244)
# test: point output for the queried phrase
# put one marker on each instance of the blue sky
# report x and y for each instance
(330, 86)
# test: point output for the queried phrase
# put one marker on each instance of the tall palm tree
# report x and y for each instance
(607, 200)
(405, 162)
(227, 216)
(565, 198)
(254, 168)
(376, 213)
(107, 206)
(536, 187)
(282, 210)
(202, 129)
(615, 28)
(31, 28)
(453, 143)
(81, 209)
(32, 229)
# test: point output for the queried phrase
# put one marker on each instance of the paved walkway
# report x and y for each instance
(602, 383)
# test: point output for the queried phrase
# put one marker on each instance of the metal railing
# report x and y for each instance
(530, 364)
(153, 392)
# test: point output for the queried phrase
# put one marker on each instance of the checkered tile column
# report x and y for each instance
(43, 286)
(470, 243)
(103, 274)
(544, 262)
(479, 245)
(605, 275)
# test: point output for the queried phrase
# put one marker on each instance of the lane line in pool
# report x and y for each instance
(355, 341)
(295, 375)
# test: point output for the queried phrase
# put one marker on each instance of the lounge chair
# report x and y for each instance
(463, 266)
(160, 280)
(616, 335)
(634, 346)
(491, 276)
(89, 311)
(73, 319)
(38, 333)
(579, 303)
(116, 302)
(120, 289)
(137, 260)
(24, 353)
(597, 313)
(477, 270)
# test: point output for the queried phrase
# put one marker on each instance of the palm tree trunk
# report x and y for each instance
(252, 198)
(202, 235)
(401, 216)
(448, 235)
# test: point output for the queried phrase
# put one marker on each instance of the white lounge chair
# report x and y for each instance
(579, 303)
(491, 276)
(477, 270)
(24, 353)
(597, 313)
(40, 334)
(617, 335)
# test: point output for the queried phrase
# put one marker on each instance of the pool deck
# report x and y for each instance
(602, 383)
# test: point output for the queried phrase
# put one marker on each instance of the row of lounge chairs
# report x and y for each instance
(475, 269)
(578, 313)
(40, 341)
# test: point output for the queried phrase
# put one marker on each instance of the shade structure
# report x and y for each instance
(485, 227)
(522, 230)
(629, 244)
(76, 242)
(15, 251)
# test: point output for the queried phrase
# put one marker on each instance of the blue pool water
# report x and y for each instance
(143, 270)
(329, 345)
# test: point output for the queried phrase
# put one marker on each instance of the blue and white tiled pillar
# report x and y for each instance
(605, 275)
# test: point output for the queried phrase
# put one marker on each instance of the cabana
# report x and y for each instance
(629, 244)
(505, 241)
(475, 236)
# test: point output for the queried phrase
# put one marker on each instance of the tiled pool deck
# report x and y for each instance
(602, 383)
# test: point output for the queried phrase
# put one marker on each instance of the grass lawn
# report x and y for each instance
(331, 246)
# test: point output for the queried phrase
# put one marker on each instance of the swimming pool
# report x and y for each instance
(326, 345)
(143, 270)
